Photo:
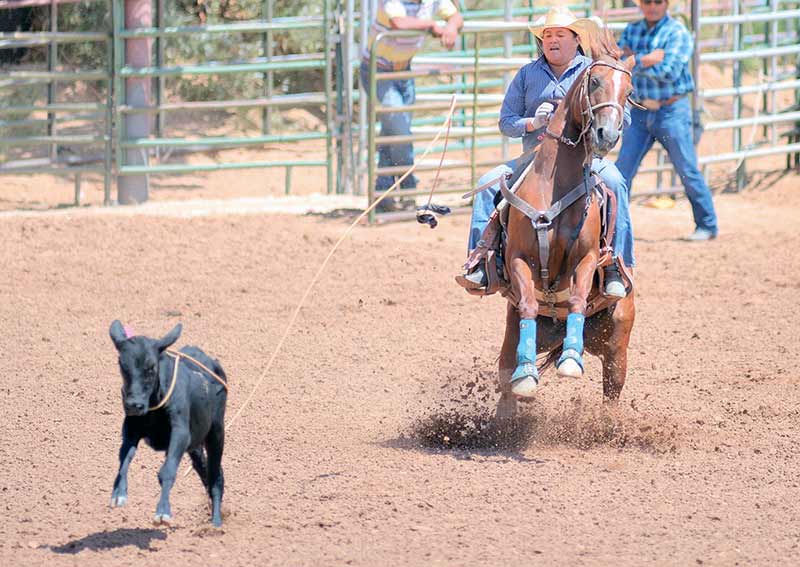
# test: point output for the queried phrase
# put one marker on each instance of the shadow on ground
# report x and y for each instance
(123, 537)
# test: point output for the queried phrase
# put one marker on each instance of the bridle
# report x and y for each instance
(588, 112)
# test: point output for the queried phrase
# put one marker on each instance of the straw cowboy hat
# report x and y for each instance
(561, 17)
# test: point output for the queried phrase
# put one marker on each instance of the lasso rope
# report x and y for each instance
(445, 125)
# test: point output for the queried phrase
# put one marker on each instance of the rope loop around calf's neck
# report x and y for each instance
(178, 355)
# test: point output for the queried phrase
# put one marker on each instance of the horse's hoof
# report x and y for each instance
(506, 407)
(569, 367)
(159, 519)
(525, 388)
(117, 501)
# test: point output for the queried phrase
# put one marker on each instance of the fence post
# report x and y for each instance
(327, 31)
(52, 88)
(738, 45)
(138, 93)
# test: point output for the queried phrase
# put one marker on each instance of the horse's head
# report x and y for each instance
(600, 104)
(597, 99)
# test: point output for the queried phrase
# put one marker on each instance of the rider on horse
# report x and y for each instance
(526, 111)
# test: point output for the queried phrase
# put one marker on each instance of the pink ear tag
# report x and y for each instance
(128, 331)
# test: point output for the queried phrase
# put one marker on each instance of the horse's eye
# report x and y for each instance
(594, 84)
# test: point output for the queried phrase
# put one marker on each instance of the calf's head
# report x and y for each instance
(138, 364)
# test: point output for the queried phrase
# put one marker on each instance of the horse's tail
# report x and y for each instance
(551, 357)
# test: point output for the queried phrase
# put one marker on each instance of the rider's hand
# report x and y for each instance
(541, 117)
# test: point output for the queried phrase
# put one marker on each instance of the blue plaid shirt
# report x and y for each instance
(534, 84)
(670, 77)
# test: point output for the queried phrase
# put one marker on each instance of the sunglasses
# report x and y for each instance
(658, 2)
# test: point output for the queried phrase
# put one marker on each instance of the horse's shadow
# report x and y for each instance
(122, 537)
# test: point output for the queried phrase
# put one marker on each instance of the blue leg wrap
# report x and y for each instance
(573, 343)
(526, 351)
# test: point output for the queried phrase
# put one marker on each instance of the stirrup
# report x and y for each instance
(613, 285)
(477, 279)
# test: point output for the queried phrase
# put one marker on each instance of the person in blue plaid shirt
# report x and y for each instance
(663, 48)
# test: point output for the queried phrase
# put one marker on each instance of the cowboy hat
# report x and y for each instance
(561, 17)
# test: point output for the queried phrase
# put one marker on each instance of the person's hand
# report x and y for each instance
(541, 117)
(446, 34)
(449, 37)
(653, 58)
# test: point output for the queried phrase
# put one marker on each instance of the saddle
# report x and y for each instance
(492, 243)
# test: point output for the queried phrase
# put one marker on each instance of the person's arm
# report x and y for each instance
(448, 33)
(411, 23)
(399, 20)
(512, 121)
(665, 65)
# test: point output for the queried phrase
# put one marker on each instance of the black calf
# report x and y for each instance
(187, 416)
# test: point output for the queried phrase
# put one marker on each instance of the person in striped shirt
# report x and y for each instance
(526, 110)
(663, 48)
(395, 54)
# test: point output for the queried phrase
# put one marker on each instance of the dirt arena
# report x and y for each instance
(368, 441)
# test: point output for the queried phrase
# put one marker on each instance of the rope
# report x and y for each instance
(178, 355)
(444, 151)
(325, 263)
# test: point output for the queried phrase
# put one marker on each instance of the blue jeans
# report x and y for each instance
(395, 93)
(483, 205)
(672, 126)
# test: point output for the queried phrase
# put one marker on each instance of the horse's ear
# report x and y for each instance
(630, 62)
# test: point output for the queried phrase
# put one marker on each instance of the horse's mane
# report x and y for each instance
(604, 46)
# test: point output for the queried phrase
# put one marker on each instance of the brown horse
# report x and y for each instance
(553, 253)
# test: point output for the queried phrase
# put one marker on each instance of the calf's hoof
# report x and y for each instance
(160, 519)
(570, 365)
(117, 501)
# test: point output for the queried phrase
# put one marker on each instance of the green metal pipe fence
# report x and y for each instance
(23, 84)
(32, 133)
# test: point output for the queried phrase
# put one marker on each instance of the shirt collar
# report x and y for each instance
(660, 23)
(577, 61)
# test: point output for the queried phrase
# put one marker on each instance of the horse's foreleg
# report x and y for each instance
(615, 351)
(525, 378)
(507, 405)
(570, 363)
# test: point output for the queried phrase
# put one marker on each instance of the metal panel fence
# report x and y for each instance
(754, 44)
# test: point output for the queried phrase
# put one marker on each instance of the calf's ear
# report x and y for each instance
(117, 332)
(169, 338)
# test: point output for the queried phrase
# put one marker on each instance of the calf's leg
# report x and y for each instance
(178, 443)
(199, 464)
(215, 443)
(119, 495)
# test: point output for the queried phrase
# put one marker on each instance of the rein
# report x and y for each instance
(178, 355)
(586, 124)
